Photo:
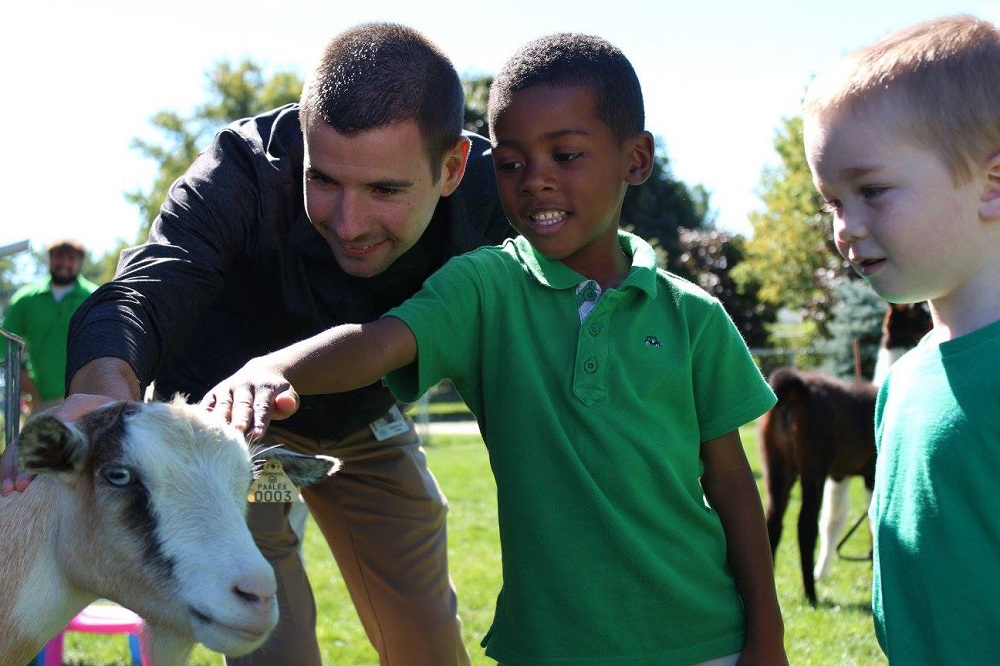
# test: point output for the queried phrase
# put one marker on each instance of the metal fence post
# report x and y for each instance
(11, 386)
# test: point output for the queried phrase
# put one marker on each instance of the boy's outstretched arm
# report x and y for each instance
(340, 359)
(731, 490)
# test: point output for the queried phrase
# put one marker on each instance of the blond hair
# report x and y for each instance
(943, 75)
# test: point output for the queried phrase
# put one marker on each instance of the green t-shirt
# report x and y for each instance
(936, 504)
(610, 553)
(43, 322)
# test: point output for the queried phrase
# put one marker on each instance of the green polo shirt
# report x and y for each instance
(43, 322)
(610, 553)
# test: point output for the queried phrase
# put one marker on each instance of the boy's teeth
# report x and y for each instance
(548, 216)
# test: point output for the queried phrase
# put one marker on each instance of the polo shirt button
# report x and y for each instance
(594, 329)
(590, 365)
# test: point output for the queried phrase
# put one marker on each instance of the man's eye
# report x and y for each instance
(385, 191)
(318, 178)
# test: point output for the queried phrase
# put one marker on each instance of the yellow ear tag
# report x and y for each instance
(273, 485)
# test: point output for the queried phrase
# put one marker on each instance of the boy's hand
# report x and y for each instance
(251, 398)
(766, 652)
(11, 478)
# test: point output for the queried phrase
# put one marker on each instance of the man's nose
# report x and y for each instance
(348, 217)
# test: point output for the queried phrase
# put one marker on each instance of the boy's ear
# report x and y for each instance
(989, 201)
(640, 158)
(453, 165)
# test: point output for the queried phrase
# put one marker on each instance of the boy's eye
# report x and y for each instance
(566, 157)
(870, 192)
(831, 206)
(509, 165)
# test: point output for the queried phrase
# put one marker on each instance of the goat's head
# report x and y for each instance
(153, 504)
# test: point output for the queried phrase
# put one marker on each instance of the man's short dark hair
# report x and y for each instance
(379, 74)
(572, 59)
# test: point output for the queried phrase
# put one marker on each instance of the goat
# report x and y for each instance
(820, 427)
(143, 504)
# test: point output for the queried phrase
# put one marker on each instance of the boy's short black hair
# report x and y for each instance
(378, 74)
(573, 59)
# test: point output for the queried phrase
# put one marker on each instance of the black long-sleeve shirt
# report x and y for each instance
(233, 269)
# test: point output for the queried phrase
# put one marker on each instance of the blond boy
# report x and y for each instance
(903, 140)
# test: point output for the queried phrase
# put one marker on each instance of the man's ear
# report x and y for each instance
(640, 165)
(453, 165)
(989, 201)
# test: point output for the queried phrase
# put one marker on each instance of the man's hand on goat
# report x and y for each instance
(13, 479)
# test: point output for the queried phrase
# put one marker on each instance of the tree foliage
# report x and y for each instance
(706, 257)
(791, 255)
(477, 95)
(856, 315)
(234, 92)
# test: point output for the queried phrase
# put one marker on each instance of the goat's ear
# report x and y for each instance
(303, 470)
(46, 445)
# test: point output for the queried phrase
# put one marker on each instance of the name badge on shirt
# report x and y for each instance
(390, 425)
(273, 485)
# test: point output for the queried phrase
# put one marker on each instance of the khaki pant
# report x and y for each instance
(383, 516)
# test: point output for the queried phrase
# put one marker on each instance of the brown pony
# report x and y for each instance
(821, 427)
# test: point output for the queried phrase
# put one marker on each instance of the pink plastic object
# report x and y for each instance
(98, 618)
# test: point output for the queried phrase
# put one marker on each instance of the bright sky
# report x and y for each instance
(81, 79)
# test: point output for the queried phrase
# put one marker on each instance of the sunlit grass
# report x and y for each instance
(838, 632)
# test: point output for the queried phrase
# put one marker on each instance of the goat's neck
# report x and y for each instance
(38, 600)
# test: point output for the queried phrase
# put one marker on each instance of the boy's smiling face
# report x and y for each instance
(898, 217)
(562, 176)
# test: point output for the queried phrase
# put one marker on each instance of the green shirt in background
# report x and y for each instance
(35, 315)
(593, 407)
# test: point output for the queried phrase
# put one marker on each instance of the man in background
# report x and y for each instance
(40, 313)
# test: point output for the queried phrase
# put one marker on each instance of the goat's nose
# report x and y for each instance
(255, 591)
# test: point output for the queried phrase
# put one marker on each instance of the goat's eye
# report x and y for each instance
(118, 476)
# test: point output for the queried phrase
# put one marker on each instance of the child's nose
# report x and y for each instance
(847, 229)
(537, 178)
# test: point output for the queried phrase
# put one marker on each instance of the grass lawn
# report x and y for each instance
(839, 631)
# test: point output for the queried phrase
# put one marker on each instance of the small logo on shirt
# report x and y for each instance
(652, 341)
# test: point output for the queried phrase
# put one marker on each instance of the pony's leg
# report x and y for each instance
(832, 519)
(812, 496)
(871, 525)
(778, 481)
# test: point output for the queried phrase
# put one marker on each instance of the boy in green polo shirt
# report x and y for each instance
(609, 392)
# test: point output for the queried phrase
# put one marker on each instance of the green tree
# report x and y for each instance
(856, 316)
(234, 92)
(706, 257)
(660, 207)
(477, 94)
(791, 255)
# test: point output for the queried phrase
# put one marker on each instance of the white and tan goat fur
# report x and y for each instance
(145, 505)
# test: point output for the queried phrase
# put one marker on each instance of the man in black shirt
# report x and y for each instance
(312, 215)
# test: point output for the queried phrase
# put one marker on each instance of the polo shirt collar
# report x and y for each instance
(555, 274)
